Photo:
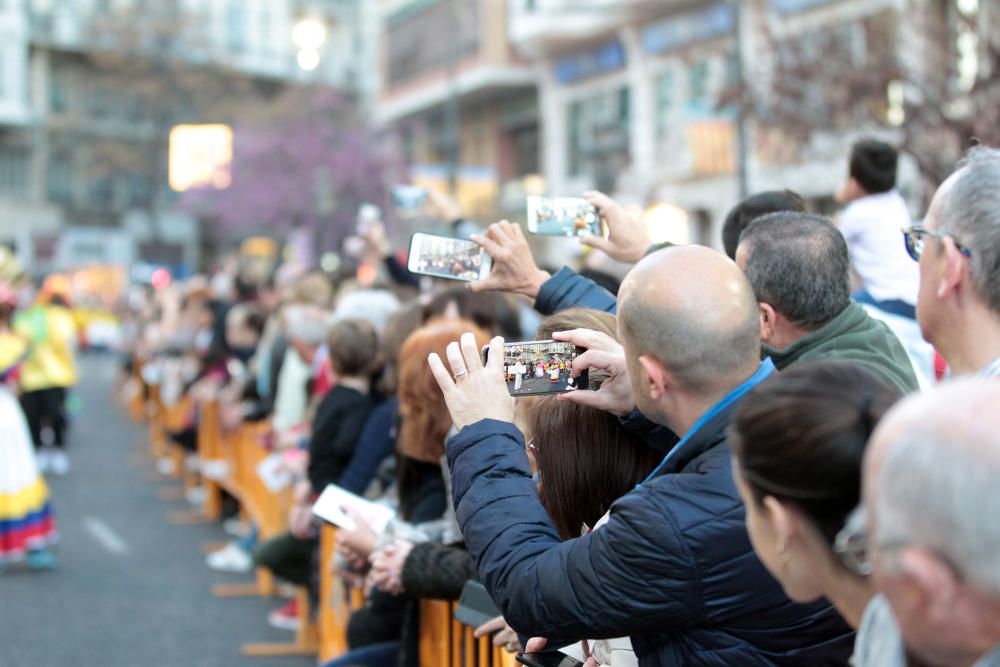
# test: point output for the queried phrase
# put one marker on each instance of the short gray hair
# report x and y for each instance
(939, 491)
(971, 213)
(306, 323)
(798, 263)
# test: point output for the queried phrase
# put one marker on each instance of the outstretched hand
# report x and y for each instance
(603, 354)
(628, 239)
(472, 391)
(514, 268)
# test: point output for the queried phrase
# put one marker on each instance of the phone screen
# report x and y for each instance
(562, 216)
(448, 258)
(540, 367)
(551, 659)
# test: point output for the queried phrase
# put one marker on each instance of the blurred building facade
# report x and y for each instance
(639, 97)
(460, 97)
(82, 135)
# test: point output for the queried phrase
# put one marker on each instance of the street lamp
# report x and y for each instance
(308, 35)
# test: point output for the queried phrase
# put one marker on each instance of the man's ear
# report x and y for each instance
(954, 269)
(932, 585)
(768, 321)
(657, 376)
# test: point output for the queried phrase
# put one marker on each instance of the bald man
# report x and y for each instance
(672, 567)
(932, 503)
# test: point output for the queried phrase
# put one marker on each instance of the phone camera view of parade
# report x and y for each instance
(539, 368)
(562, 216)
(441, 257)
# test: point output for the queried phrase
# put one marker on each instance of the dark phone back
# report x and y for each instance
(548, 659)
(475, 607)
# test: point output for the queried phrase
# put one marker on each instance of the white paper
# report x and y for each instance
(273, 473)
(328, 507)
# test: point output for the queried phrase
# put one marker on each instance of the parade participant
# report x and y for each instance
(49, 370)
(26, 525)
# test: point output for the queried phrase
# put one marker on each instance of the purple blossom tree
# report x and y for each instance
(306, 160)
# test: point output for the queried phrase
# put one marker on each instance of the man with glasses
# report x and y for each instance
(932, 539)
(958, 248)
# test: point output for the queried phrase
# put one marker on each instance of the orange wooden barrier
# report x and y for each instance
(211, 460)
(336, 601)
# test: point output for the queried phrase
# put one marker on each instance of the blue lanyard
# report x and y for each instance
(763, 371)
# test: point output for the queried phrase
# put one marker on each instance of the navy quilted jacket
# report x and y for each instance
(673, 568)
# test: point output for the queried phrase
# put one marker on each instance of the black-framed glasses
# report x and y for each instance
(914, 237)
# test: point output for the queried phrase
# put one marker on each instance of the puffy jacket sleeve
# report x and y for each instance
(436, 571)
(567, 289)
(631, 576)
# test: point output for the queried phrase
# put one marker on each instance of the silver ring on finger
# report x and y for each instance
(460, 373)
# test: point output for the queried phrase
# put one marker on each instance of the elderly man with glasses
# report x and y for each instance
(931, 539)
(958, 248)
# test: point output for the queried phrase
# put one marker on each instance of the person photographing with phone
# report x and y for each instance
(673, 567)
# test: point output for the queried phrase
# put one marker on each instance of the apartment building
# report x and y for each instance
(460, 97)
(82, 138)
(633, 95)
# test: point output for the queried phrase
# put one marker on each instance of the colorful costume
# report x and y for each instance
(26, 522)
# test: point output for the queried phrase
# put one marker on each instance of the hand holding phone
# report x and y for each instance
(448, 258)
(537, 367)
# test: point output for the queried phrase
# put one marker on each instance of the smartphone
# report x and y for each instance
(536, 367)
(562, 216)
(448, 258)
(409, 196)
(475, 607)
(551, 659)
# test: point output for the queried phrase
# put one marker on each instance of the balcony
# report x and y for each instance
(540, 27)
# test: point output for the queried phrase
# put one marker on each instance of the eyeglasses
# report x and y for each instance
(851, 543)
(913, 237)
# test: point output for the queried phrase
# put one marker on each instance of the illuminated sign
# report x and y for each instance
(200, 156)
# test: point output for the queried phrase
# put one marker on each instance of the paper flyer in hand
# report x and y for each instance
(328, 507)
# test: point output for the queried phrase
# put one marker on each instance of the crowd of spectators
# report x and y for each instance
(758, 472)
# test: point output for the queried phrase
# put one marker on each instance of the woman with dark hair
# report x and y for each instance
(584, 458)
(798, 441)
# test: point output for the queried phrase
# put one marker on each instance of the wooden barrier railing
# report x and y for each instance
(444, 642)
(235, 457)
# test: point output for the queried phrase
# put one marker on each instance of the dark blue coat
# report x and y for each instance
(673, 568)
(567, 289)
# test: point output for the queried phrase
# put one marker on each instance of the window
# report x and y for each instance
(698, 83)
(666, 99)
(59, 178)
(58, 91)
(14, 170)
(414, 36)
(599, 132)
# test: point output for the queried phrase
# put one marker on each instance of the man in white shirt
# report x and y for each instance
(871, 222)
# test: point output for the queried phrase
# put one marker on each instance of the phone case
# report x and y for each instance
(475, 607)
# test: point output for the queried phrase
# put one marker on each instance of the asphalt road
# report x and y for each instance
(131, 589)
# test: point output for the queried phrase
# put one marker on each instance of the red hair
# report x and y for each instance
(421, 404)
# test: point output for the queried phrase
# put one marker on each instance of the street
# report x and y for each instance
(131, 589)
